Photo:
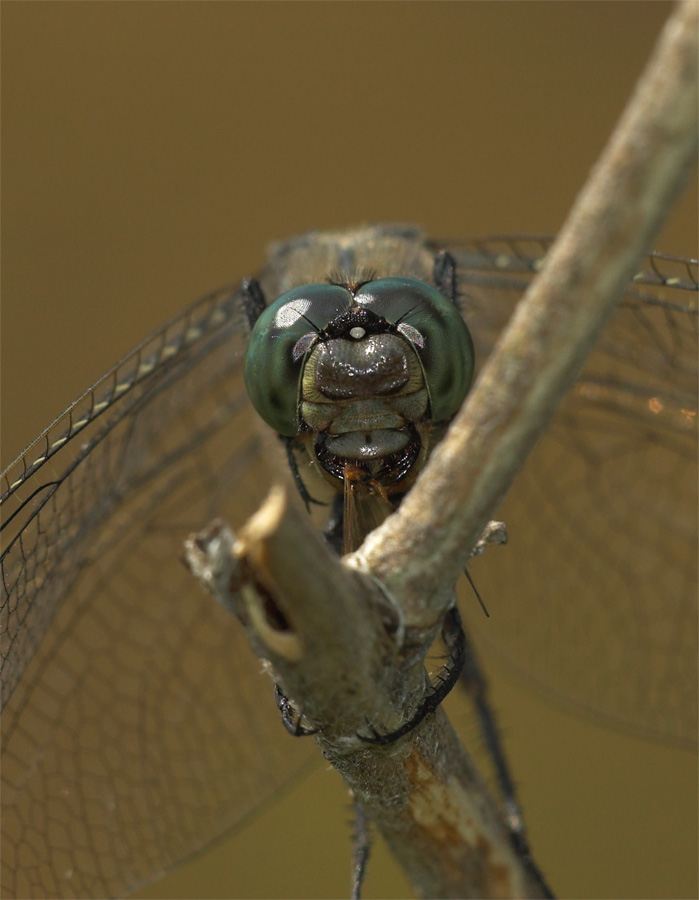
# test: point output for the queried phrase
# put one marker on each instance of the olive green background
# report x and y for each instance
(152, 150)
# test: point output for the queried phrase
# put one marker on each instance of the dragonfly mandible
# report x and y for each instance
(136, 726)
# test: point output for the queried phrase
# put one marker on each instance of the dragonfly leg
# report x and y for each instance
(296, 475)
(444, 274)
(334, 527)
(291, 719)
(474, 681)
(254, 302)
(361, 849)
(455, 639)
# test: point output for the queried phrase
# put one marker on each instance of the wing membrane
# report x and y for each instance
(136, 727)
(594, 601)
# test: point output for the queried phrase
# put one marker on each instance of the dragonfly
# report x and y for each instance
(136, 725)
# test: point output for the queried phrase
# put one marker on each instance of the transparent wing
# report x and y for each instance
(594, 601)
(136, 727)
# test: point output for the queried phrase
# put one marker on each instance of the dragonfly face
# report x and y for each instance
(364, 373)
(112, 661)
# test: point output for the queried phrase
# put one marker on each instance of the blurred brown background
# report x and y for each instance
(151, 151)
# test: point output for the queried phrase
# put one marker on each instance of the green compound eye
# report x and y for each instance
(291, 325)
(446, 349)
(272, 370)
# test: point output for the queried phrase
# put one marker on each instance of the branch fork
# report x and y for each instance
(329, 632)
